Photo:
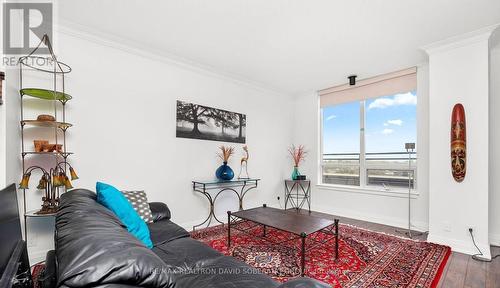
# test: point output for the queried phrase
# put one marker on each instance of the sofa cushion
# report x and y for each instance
(139, 201)
(160, 211)
(94, 248)
(222, 272)
(184, 252)
(165, 231)
(194, 264)
(115, 201)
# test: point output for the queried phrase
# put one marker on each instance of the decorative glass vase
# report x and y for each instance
(295, 173)
(224, 172)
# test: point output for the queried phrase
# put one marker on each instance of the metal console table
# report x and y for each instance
(239, 186)
(298, 193)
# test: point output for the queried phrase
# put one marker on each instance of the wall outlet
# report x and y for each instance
(471, 227)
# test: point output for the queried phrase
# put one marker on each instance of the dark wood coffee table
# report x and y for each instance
(291, 221)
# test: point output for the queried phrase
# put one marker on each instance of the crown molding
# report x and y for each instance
(86, 33)
(461, 40)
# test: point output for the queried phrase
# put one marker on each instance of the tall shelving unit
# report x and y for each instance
(59, 98)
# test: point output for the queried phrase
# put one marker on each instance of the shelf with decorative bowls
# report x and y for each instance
(49, 124)
(54, 153)
(35, 213)
(45, 94)
(51, 149)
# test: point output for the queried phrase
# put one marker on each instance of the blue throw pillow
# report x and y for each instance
(115, 201)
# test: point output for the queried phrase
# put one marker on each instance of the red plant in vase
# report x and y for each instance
(298, 155)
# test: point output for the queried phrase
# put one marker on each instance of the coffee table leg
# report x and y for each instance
(303, 253)
(264, 230)
(228, 229)
(336, 238)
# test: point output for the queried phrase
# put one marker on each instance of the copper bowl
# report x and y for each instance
(39, 144)
(44, 117)
(58, 147)
(46, 147)
(52, 147)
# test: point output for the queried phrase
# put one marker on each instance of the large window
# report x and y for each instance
(341, 144)
(364, 142)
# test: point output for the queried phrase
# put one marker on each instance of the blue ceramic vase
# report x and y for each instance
(295, 173)
(224, 172)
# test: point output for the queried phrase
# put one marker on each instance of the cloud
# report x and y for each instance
(331, 117)
(387, 131)
(396, 100)
(397, 122)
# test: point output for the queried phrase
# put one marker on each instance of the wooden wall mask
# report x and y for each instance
(458, 143)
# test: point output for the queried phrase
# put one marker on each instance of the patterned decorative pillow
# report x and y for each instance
(139, 201)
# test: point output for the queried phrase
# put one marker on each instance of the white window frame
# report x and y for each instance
(363, 187)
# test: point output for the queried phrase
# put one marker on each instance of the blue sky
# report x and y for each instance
(391, 121)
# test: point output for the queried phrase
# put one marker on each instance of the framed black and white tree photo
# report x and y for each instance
(207, 123)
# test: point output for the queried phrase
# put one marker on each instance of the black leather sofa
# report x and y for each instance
(93, 249)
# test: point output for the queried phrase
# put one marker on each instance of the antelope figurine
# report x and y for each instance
(244, 162)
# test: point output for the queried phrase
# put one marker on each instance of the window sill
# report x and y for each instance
(399, 193)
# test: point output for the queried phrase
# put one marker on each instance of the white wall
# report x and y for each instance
(459, 73)
(494, 201)
(369, 205)
(124, 115)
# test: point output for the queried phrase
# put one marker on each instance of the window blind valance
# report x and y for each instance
(388, 84)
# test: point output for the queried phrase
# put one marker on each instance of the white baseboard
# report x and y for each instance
(189, 225)
(396, 222)
(223, 217)
(495, 239)
(461, 246)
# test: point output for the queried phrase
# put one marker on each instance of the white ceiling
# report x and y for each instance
(290, 45)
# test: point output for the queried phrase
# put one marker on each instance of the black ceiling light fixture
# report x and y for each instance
(352, 79)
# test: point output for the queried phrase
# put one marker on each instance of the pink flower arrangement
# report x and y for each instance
(298, 154)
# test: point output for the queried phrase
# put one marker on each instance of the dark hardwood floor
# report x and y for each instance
(460, 271)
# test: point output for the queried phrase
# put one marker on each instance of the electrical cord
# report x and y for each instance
(279, 202)
(477, 256)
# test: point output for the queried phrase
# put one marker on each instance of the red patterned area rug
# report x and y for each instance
(36, 273)
(366, 258)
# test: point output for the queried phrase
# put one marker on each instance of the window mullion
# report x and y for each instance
(362, 150)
